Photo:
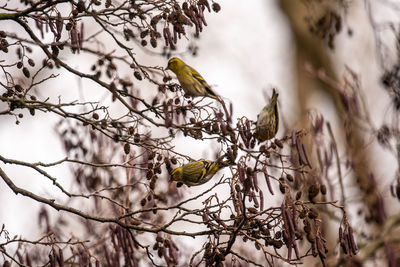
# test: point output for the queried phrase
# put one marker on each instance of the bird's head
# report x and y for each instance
(225, 163)
(174, 64)
(176, 175)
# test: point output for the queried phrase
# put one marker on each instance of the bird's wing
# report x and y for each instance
(275, 103)
(276, 117)
(207, 164)
(194, 171)
(203, 82)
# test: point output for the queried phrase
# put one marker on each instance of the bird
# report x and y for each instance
(197, 172)
(192, 83)
(268, 120)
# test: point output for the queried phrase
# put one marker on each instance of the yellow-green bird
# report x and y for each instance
(268, 120)
(191, 81)
(197, 172)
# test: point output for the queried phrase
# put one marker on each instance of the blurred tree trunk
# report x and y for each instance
(312, 49)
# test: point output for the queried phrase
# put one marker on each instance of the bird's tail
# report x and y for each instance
(274, 96)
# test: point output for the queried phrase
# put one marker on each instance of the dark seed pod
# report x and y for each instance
(299, 152)
(157, 169)
(230, 155)
(249, 171)
(398, 190)
(278, 143)
(278, 235)
(277, 243)
(352, 242)
(299, 235)
(143, 34)
(153, 42)
(137, 75)
(273, 146)
(215, 128)
(68, 27)
(31, 62)
(174, 161)
(306, 156)
(80, 6)
(313, 191)
(252, 210)
(154, 21)
(127, 148)
(313, 213)
(252, 143)
(237, 188)
(282, 187)
(342, 240)
(116, 138)
(136, 138)
(159, 239)
(155, 246)
(26, 72)
(216, 7)
(18, 88)
(154, 210)
(167, 162)
(150, 165)
(153, 183)
(131, 130)
(160, 252)
(322, 188)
